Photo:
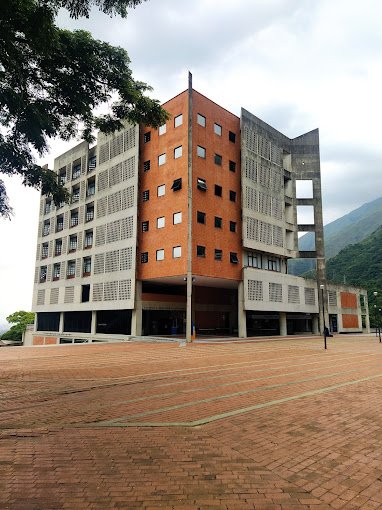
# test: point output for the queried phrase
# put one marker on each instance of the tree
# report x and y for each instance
(52, 80)
(20, 320)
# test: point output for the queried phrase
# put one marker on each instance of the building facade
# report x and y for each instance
(186, 228)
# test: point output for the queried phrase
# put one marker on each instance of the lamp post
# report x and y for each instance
(375, 294)
(323, 312)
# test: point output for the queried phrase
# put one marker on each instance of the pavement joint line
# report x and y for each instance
(228, 414)
(222, 397)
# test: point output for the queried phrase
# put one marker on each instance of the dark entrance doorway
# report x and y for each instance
(163, 322)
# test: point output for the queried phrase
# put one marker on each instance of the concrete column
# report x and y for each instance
(315, 325)
(61, 323)
(93, 327)
(136, 318)
(189, 308)
(242, 315)
(283, 324)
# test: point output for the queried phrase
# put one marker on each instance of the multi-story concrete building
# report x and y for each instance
(186, 227)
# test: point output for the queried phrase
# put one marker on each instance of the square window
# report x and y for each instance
(217, 129)
(162, 129)
(144, 257)
(160, 254)
(218, 222)
(232, 195)
(232, 166)
(161, 159)
(232, 137)
(201, 152)
(218, 254)
(146, 195)
(218, 190)
(147, 137)
(178, 120)
(177, 184)
(201, 184)
(145, 226)
(201, 217)
(177, 218)
(232, 226)
(161, 190)
(201, 120)
(176, 252)
(161, 222)
(200, 251)
(178, 152)
(218, 159)
(146, 165)
(233, 258)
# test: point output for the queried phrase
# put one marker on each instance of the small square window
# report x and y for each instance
(232, 195)
(178, 152)
(161, 190)
(218, 190)
(146, 165)
(160, 254)
(201, 217)
(201, 184)
(144, 257)
(161, 222)
(201, 152)
(232, 166)
(233, 258)
(201, 120)
(232, 137)
(176, 252)
(218, 254)
(162, 129)
(232, 226)
(147, 137)
(177, 184)
(161, 159)
(177, 218)
(200, 251)
(218, 222)
(145, 226)
(146, 195)
(217, 129)
(218, 159)
(178, 120)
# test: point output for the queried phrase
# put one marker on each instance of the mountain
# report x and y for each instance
(338, 234)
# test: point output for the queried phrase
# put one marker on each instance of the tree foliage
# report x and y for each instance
(20, 320)
(51, 82)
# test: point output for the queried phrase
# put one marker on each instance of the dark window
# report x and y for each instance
(146, 165)
(58, 247)
(76, 171)
(147, 137)
(232, 226)
(77, 322)
(218, 254)
(91, 187)
(44, 251)
(85, 293)
(201, 217)
(232, 166)
(201, 251)
(56, 271)
(92, 164)
(89, 212)
(146, 195)
(201, 184)
(218, 159)
(218, 222)
(233, 258)
(48, 321)
(73, 218)
(73, 242)
(43, 271)
(88, 239)
(87, 266)
(177, 184)
(232, 195)
(218, 190)
(232, 137)
(114, 322)
(60, 223)
(145, 226)
(144, 257)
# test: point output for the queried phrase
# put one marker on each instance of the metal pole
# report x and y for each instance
(323, 313)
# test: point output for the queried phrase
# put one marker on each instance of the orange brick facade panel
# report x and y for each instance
(221, 202)
(45, 340)
(350, 321)
(348, 300)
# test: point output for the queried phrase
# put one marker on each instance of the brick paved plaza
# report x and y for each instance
(237, 425)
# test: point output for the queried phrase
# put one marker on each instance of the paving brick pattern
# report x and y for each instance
(228, 425)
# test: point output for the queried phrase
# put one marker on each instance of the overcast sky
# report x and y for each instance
(296, 64)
